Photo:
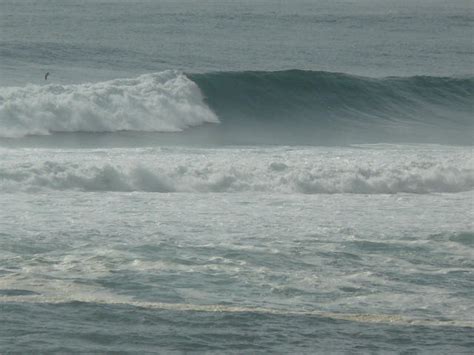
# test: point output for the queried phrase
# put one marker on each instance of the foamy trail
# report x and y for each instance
(216, 308)
(163, 102)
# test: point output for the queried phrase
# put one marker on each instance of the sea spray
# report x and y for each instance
(166, 102)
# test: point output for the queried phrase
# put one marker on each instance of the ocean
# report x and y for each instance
(236, 176)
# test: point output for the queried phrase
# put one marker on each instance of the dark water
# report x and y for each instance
(121, 328)
(320, 107)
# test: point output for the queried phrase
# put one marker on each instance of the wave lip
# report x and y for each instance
(163, 102)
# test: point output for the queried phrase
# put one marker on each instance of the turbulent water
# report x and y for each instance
(244, 177)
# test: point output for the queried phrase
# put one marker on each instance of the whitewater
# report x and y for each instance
(236, 177)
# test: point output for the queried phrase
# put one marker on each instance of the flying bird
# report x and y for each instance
(46, 76)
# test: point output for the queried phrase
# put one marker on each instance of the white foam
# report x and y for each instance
(165, 101)
(236, 170)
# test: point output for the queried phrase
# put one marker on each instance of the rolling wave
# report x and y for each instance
(303, 103)
(235, 172)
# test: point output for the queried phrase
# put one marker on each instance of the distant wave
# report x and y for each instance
(303, 102)
(164, 102)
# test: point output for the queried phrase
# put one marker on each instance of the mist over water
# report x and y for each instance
(236, 176)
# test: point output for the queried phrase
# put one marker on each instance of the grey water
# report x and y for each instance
(236, 176)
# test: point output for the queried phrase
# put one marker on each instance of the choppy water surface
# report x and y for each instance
(237, 248)
(240, 271)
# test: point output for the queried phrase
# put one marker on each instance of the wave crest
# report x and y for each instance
(296, 106)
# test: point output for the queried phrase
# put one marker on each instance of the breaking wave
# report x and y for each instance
(165, 102)
(306, 103)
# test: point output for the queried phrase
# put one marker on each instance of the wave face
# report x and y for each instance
(307, 105)
(311, 101)
(166, 102)
(332, 96)
(300, 171)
